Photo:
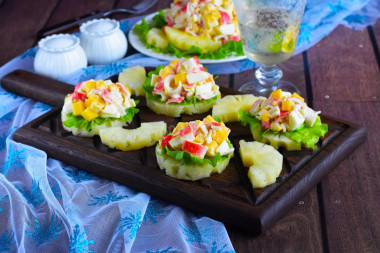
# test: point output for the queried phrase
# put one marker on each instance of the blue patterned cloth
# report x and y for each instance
(48, 206)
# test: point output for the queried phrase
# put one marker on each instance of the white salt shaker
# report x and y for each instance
(103, 41)
(59, 55)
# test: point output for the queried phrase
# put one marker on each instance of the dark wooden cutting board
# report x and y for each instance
(227, 197)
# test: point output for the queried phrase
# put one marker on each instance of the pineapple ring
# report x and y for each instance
(179, 170)
(95, 129)
(226, 109)
(175, 110)
(277, 140)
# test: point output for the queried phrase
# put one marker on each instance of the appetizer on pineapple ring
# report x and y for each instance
(182, 87)
(284, 120)
(208, 29)
(95, 105)
(195, 149)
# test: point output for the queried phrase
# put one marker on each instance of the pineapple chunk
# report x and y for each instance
(277, 94)
(286, 105)
(101, 84)
(221, 134)
(78, 107)
(179, 126)
(265, 117)
(89, 86)
(156, 37)
(200, 138)
(295, 95)
(89, 114)
(131, 139)
(134, 78)
(185, 41)
(211, 151)
(264, 161)
(226, 109)
(168, 70)
(181, 77)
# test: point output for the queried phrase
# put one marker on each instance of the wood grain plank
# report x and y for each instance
(19, 34)
(345, 81)
(351, 191)
(297, 231)
(343, 67)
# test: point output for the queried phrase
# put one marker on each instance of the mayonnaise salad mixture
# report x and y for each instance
(283, 111)
(215, 19)
(92, 99)
(199, 138)
(182, 79)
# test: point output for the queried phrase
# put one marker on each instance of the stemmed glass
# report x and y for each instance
(269, 31)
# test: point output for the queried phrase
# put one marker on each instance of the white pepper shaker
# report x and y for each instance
(103, 41)
(59, 55)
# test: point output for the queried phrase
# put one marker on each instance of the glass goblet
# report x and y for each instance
(269, 31)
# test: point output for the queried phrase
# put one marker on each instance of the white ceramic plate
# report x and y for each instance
(139, 46)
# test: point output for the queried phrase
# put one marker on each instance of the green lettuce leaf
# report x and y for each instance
(308, 135)
(160, 19)
(231, 48)
(142, 29)
(188, 158)
(82, 123)
(149, 89)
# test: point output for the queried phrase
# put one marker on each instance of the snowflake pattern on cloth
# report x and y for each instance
(48, 206)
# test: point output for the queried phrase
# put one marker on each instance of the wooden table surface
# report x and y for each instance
(339, 76)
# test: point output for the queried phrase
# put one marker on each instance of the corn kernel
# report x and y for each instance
(173, 63)
(101, 84)
(89, 114)
(93, 98)
(295, 95)
(97, 106)
(265, 117)
(200, 138)
(278, 127)
(287, 105)
(89, 86)
(211, 151)
(168, 70)
(78, 107)
(221, 134)
(181, 77)
(179, 126)
(277, 94)
(208, 120)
